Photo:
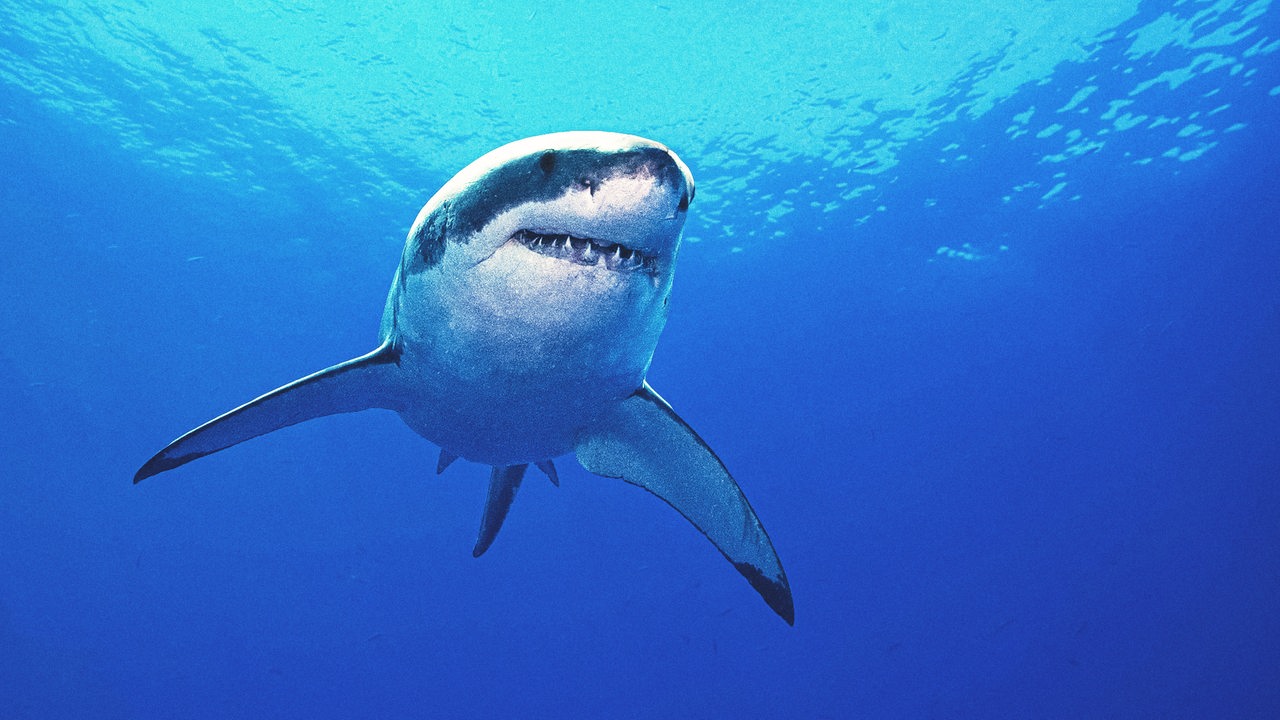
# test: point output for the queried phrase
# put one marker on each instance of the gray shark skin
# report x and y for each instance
(519, 328)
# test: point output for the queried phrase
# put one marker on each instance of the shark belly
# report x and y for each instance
(507, 367)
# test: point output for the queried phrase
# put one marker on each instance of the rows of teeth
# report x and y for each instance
(585, 251)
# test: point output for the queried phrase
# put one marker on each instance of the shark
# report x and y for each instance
(520, 327)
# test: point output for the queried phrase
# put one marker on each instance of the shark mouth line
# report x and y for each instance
(585, 251)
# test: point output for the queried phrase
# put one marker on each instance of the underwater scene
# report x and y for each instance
(967, 314)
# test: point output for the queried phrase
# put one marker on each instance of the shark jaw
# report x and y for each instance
(588, 251)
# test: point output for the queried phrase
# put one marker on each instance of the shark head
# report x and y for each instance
(593, 199)
(536, 280)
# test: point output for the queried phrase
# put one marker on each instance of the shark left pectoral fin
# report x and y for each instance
(644, 442)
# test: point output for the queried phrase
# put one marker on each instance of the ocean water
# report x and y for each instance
(980, 302)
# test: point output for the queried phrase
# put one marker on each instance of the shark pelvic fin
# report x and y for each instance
(503, 483)
(446, 459)
(644, 442)
(356, 384)
(549, 469)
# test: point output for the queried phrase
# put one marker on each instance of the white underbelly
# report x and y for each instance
(509, 367)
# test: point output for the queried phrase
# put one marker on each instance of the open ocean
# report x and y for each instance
(979, 301)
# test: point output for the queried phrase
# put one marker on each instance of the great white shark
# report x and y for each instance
(520, 326)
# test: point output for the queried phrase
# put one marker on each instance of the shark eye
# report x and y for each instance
(684, 202)
(547, 162)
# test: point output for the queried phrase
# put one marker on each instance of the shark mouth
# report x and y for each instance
(586, 251)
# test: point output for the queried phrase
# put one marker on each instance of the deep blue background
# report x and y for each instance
(1038, 485)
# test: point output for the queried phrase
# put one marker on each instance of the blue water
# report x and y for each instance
(979, 302)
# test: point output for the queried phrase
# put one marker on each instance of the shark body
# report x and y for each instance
(519, 328)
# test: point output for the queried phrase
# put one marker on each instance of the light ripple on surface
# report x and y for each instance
(386, 102)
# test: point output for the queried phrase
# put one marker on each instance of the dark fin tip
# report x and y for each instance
(776, 594)
(158, 464)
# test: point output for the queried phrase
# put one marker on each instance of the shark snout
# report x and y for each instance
(620, 165)
(649, 182)
(664, 169)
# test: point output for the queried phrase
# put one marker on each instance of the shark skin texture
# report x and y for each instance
(519, 328)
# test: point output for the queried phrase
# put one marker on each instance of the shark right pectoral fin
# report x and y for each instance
(356, 384)
(644, 442)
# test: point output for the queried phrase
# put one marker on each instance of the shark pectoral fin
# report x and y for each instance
(356, 384)
(644, 442)
(503, 483)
